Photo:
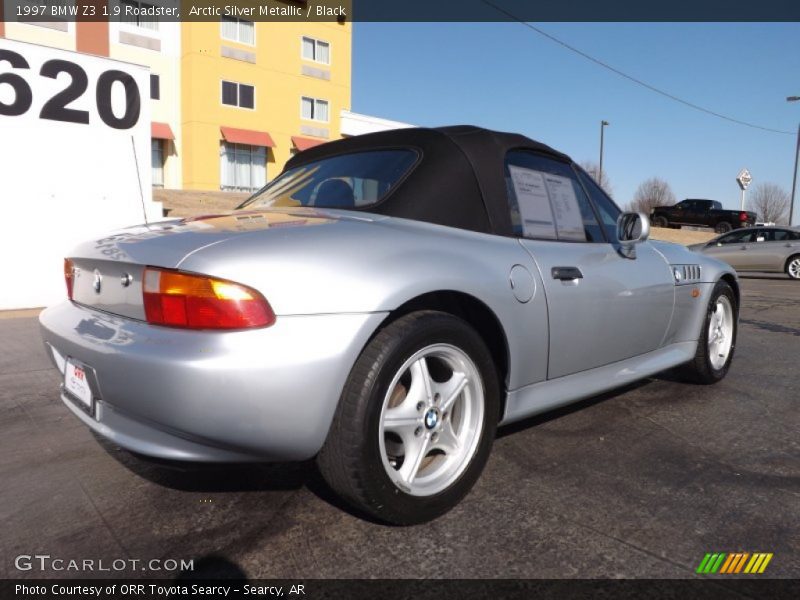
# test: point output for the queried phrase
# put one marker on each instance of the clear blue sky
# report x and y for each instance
(505, 76)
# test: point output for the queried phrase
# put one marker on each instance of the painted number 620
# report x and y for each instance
(57, 107)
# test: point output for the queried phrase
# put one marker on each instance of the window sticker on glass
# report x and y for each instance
(535, 211)
(569, 221)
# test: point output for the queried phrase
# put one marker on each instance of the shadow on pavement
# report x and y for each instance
(772, 276)
(225, 478)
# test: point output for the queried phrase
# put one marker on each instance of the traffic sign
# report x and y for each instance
(744, 178)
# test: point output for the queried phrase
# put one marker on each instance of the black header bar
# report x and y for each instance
(340, 11)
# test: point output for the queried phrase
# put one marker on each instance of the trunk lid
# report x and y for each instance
(108, 271)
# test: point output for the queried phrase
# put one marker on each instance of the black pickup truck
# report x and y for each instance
(701, 213)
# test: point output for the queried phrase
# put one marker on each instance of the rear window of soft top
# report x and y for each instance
(354, 180)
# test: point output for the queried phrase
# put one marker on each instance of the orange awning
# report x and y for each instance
(161, 131)
(247, 136)
(302, 143)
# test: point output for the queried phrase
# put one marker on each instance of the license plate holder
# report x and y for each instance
(79, 385)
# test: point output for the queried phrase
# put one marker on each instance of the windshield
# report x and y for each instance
(346, 181)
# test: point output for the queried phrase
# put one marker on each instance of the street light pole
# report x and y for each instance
(600, 174)
(796, 160)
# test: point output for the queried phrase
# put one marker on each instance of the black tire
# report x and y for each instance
(350, 460)
(700, 370)
(660, 222)
(723, 227)
(791, 268)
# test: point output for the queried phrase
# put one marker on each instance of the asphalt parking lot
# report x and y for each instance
(638, 483)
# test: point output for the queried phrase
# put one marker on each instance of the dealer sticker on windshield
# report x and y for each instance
(77, 384)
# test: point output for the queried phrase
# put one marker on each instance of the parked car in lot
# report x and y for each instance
(701, 213)
(767, 249)
(382, 305)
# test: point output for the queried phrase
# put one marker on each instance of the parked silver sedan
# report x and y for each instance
(766, 249)
(382, 305)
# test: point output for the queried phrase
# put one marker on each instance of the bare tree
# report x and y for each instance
(651, 193)
(770, 202)
(601, 179)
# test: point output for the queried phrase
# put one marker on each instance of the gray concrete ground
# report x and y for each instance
(638, 483)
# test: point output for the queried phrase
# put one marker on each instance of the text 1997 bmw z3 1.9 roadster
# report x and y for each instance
(383, 305)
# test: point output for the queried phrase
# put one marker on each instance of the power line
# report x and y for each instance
(644, 84)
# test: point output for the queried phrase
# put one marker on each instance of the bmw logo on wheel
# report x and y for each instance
(431, 418)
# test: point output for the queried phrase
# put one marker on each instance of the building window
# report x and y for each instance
(157, 160)
(314, 109)
(155, 87)
(129, 10)
(242, 168)
(316, 50)
(238, 30)
(238, 94)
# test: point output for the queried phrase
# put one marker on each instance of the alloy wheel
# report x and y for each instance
(431, 420)
(720, 332)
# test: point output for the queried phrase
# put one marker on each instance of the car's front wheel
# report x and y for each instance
(717, 338)
(416, 420)
(793, 267)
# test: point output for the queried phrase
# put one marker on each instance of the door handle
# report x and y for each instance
(566, 273)
(742, 247)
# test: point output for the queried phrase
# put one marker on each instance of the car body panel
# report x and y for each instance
(547, 395)
(754, 249)
(334, 277)
(180, 382)
(405, 259)
(588, 335)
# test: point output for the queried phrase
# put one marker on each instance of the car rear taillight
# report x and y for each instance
(193, 301)
(743, 216)
(69, 276)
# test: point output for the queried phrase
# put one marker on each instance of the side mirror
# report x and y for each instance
(632, 228)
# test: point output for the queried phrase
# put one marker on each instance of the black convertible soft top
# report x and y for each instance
(458, 181)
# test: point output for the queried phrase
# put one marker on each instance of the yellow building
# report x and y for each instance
(254, 93)
(231, 101)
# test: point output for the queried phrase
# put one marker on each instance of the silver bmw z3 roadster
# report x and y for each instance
(382, 305)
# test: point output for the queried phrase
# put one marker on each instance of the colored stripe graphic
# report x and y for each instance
(733, 563)
(753, 563)
(718, 564)
(741, 562)
(729, 562)
(764, 564)
(703, 563)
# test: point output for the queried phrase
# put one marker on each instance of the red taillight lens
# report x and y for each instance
(743, 216)
(69, 276)
(198, 302)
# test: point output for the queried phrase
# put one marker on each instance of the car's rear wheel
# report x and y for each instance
(660, 222)
(723, 227)
(793, 266)
(416, 420)
(717, 339)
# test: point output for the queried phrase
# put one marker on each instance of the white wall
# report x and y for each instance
(164, 59)
(359, 124)
(63, 182)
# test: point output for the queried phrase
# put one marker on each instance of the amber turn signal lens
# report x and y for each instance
(69, 276)
(177, 299)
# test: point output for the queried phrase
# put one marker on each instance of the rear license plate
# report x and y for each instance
(76, 382)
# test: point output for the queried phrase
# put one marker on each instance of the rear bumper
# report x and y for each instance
(265, 394)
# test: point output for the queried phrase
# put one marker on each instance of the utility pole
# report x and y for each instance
(794, 177)
(796, 160)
